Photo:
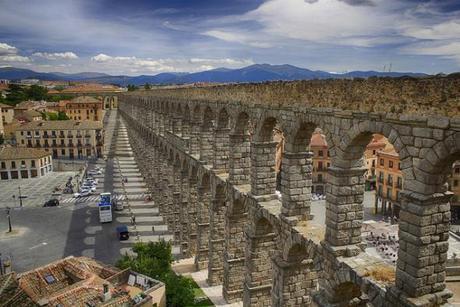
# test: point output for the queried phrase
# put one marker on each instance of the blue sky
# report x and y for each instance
(148, 37)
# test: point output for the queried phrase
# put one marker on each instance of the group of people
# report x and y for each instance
(386, 245)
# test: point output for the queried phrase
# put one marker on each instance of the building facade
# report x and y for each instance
(321, 162)
(7, 113)
(22, 163)
(84, 108)
(454, 186)
(389, 182)
(64, 139)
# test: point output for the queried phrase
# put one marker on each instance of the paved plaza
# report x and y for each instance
(37, 190)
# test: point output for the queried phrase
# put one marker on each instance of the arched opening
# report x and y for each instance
(207, 136)
(295, 271)
(346, 292)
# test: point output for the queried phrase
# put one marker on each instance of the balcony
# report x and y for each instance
(87, 135)
(70, 145)
(70, 135)
(46, 136)
(62, 135)
(79, 136)
(88, 145)
(79, 144)
(53, 136)
(29, 136)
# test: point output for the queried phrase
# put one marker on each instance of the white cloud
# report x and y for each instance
(7, 49)
(449, 50)
(14, 58)
(238, 37)
(149, 65)
(56, 55)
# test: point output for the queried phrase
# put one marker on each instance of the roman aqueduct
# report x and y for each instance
(208, 156)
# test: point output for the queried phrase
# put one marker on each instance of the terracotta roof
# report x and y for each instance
(16, 153)
(6, 106)
(318, 140)
(85, 99)
(11, 294)
(61, 125)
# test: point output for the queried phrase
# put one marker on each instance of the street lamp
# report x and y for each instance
(20, 197)
(77, 177)
(8, 216)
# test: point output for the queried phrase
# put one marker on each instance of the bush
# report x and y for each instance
(154, 260)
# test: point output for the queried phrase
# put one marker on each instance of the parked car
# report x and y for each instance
(122, 232)
(51, 203)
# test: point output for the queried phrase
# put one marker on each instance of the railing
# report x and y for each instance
(46, 136)
(79, 136)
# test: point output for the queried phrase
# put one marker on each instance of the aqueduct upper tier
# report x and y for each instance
(208, 155)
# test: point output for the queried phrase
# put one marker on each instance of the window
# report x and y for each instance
(455, 183)
(13, 164)
(382, 162)
(63, 152)
(22, 141)
(399, 183)
(373, 152)
(390, 180)
(23, 163)
(3, 165)
(373, 163)
(32, 163)
(320, 166)
(320, 177)
(390, 164)
(320, 153)
(381, 177)
(457, 170)
(399, 165)
(389, 193)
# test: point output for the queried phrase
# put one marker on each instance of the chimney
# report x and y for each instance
(106, 293)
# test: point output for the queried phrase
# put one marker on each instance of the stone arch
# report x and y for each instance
(265, 131)
(342, 289)
(242, 124)
(207, 136)
(223, 119)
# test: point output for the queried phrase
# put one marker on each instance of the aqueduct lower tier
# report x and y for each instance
(208, 156)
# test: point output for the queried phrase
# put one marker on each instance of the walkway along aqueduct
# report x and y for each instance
(208, 156)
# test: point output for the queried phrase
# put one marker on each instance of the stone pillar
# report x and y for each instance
(293, 282)
(221, 150)
(202, 254)
(216, 242)
(234, 268)
(344, 210)
(186, 128)
(194, 142)
(192, 215)
(239, 159)
(423, 234)
(259, 272)
(177, 204)
(169, 196)
(176, 125)
(296, 182)
(206, 145)
(161, 124)
(263, 175)
(184, 216)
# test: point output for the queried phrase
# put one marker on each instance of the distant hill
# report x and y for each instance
(253, 73)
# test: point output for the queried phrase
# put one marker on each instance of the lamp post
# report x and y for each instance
(8, 216)
(77, 177)
(20, 197)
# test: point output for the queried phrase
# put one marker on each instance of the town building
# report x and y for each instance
(389, 182)
(84, 108)
(2, 130)
(321, 162)
(64, 139)
(454, 187)
(24, 116)
(7, 113)
(80, 281)
(377, 144)
(21, 163)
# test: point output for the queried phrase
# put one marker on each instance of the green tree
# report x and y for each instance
(147, 86)
(154, 260)
(132, 87)
(16, 94)
(36, 92)
(62, 116)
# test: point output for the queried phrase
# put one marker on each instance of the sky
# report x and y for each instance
(154, 36)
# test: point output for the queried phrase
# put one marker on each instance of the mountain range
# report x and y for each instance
(253, 73)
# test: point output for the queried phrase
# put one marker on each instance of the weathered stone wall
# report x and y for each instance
(269, 241)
